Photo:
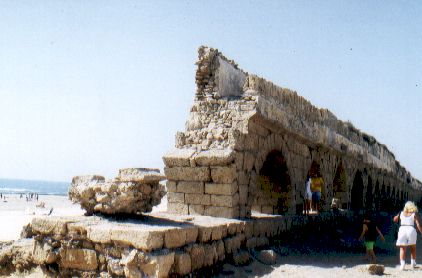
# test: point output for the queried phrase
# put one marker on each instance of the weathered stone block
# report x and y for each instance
(190, 187)
(376, 269)
(204, 233)
(158, 264)
(239, 160)
(225, 200)
(50, 225)
(174, 238)
(178, 157)
(140, 239)
(251, 243)
(243, 194)
(267, 257)
(188, 173)
(142, 175)
(210, 254)
(221, 188)
(171, 186)
(43, 253)
(135, 191)
(219, 247)
(215, 157)
(196, 209)
(241, 257)
(174, 197)
(232, 244)
(223, 174)
(217, 232)
(177, 208)
(197, 255)
(191, 234)
(197, 199)
(224, 212)
(242, 178)
(82, 259)
(183, 263)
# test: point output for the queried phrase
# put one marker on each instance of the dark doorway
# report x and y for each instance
(356, 202)
(275, 180)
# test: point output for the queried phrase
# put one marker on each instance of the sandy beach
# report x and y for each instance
(16, 212)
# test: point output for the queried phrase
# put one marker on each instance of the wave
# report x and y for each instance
(11, 186)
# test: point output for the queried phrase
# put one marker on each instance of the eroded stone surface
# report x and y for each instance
(134, 191)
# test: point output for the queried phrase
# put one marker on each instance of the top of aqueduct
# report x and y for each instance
(233, 114)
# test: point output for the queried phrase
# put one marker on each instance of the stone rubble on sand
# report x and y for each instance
(133, 191)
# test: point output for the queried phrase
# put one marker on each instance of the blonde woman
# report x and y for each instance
(407, 232)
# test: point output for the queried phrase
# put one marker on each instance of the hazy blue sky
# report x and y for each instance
(94, 86)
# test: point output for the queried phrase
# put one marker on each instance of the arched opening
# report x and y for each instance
(317, 186)
(274, 181)
(356, 203)
(340, 185)
(339, 182)
(369, 195)
(385, 198)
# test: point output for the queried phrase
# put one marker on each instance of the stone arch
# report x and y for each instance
(340, 184)
(356, 197)
(274, 184)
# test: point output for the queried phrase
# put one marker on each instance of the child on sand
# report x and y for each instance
(370, 231)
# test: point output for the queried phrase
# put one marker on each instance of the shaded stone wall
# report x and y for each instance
(217, 166)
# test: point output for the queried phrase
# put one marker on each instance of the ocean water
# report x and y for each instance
(12, 186)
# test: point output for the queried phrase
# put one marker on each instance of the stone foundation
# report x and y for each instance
(158, 245)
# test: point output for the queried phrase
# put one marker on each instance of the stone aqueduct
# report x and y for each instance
(250, 145)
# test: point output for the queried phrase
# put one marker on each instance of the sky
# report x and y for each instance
(89, 87)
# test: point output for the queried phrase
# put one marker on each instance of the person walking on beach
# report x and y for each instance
(370, 232)
(407, 232)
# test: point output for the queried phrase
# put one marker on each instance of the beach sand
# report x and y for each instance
(14, 215)
(17, 212)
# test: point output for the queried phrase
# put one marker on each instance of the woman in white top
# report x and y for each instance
(308, 196)
(407, 232)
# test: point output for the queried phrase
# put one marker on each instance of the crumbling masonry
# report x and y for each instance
(250, 145)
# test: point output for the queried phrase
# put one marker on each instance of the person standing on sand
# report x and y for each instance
(308, 196)
(370, 231)
(407, 232)
(316, 187)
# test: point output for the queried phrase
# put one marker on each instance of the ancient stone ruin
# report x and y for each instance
(250, 145)
(133, 191)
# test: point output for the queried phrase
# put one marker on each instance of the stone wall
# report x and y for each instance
(217, 166)
(159, 245)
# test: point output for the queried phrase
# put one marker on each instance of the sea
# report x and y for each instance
(16, 186)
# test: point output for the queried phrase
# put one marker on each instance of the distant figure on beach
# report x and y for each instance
(370, 232)
(407, 232)
(308, 196)
(316, 187)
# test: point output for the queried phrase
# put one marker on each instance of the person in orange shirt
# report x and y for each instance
(316, 187)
